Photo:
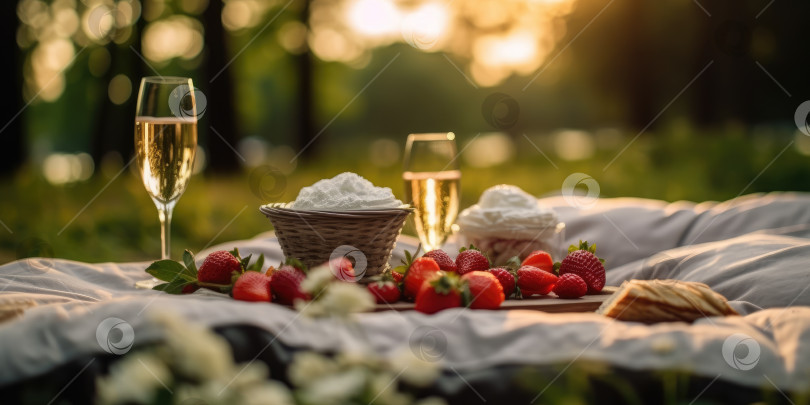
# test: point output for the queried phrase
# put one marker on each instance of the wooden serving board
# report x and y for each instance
(543, 303)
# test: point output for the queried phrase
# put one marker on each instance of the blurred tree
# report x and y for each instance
(114, 123)
(304, 66)
(636, 53)
(220, 93)
(12, 153)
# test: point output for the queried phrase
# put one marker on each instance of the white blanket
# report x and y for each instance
(755, 254)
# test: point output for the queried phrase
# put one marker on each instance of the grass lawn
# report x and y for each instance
(112, 219)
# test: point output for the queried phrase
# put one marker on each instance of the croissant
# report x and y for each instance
(652, 301)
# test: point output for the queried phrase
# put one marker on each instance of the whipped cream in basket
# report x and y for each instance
(506, 211)
(345, 192)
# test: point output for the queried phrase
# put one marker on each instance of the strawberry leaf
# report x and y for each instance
(188, 259)
(466, 295)
(445, 283)
(257, 265)
(170, 270)
(298, 264)
(244, 262)
(556, 268)
(409, 258)
(513, 264)
(173, 287)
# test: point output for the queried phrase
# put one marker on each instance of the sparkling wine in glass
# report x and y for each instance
(165, 142)
(432, 178)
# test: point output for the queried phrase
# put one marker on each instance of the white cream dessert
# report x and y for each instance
(508, 222)
(345, 192)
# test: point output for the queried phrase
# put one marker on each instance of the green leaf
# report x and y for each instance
(466, 295)
(513, 263)
(445, 283)
(244, 262)
(188, 259)
(298, 264)
(556, 268)
(257, 265)
(169, 270)
(173, 287)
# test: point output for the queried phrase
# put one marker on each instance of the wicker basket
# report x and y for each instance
(312, 236)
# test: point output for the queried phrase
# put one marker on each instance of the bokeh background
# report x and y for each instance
(672, 99)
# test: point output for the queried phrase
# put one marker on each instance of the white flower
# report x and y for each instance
(383, 388)
(414, 370)
(338, 299)
(335, 388)
(343, 299)
(309, 366)
(208, 393)
(195, 351)
(249, 373)
(269, 392)
(317, 279)
(358, 358)
(134, 379)
(431, 401)
(312, 309)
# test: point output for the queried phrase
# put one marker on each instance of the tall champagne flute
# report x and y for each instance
(165, 142)
(432, 179)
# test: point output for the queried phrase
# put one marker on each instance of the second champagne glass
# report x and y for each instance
(432, 179)
(165, 143)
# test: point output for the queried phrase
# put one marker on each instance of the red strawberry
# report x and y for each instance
(532, 280)
(441, 292)
(540, 259)
(486, 291)
(583, 262)
(442, 258)
(419, 271)
(285, 282)
(570, 285)
(397, 276)
(219, 267)
(189, 288)
(342, 269)
(252, 286)
(384, 292)
(506, 279)
(471, 260)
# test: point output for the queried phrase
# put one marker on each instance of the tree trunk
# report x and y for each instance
(638, 74)
(13, 152)
(306, 127)
(218, 90)
(114, 128)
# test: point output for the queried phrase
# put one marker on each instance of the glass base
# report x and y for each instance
(147, 284)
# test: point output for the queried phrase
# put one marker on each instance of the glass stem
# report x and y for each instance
(165, 214)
